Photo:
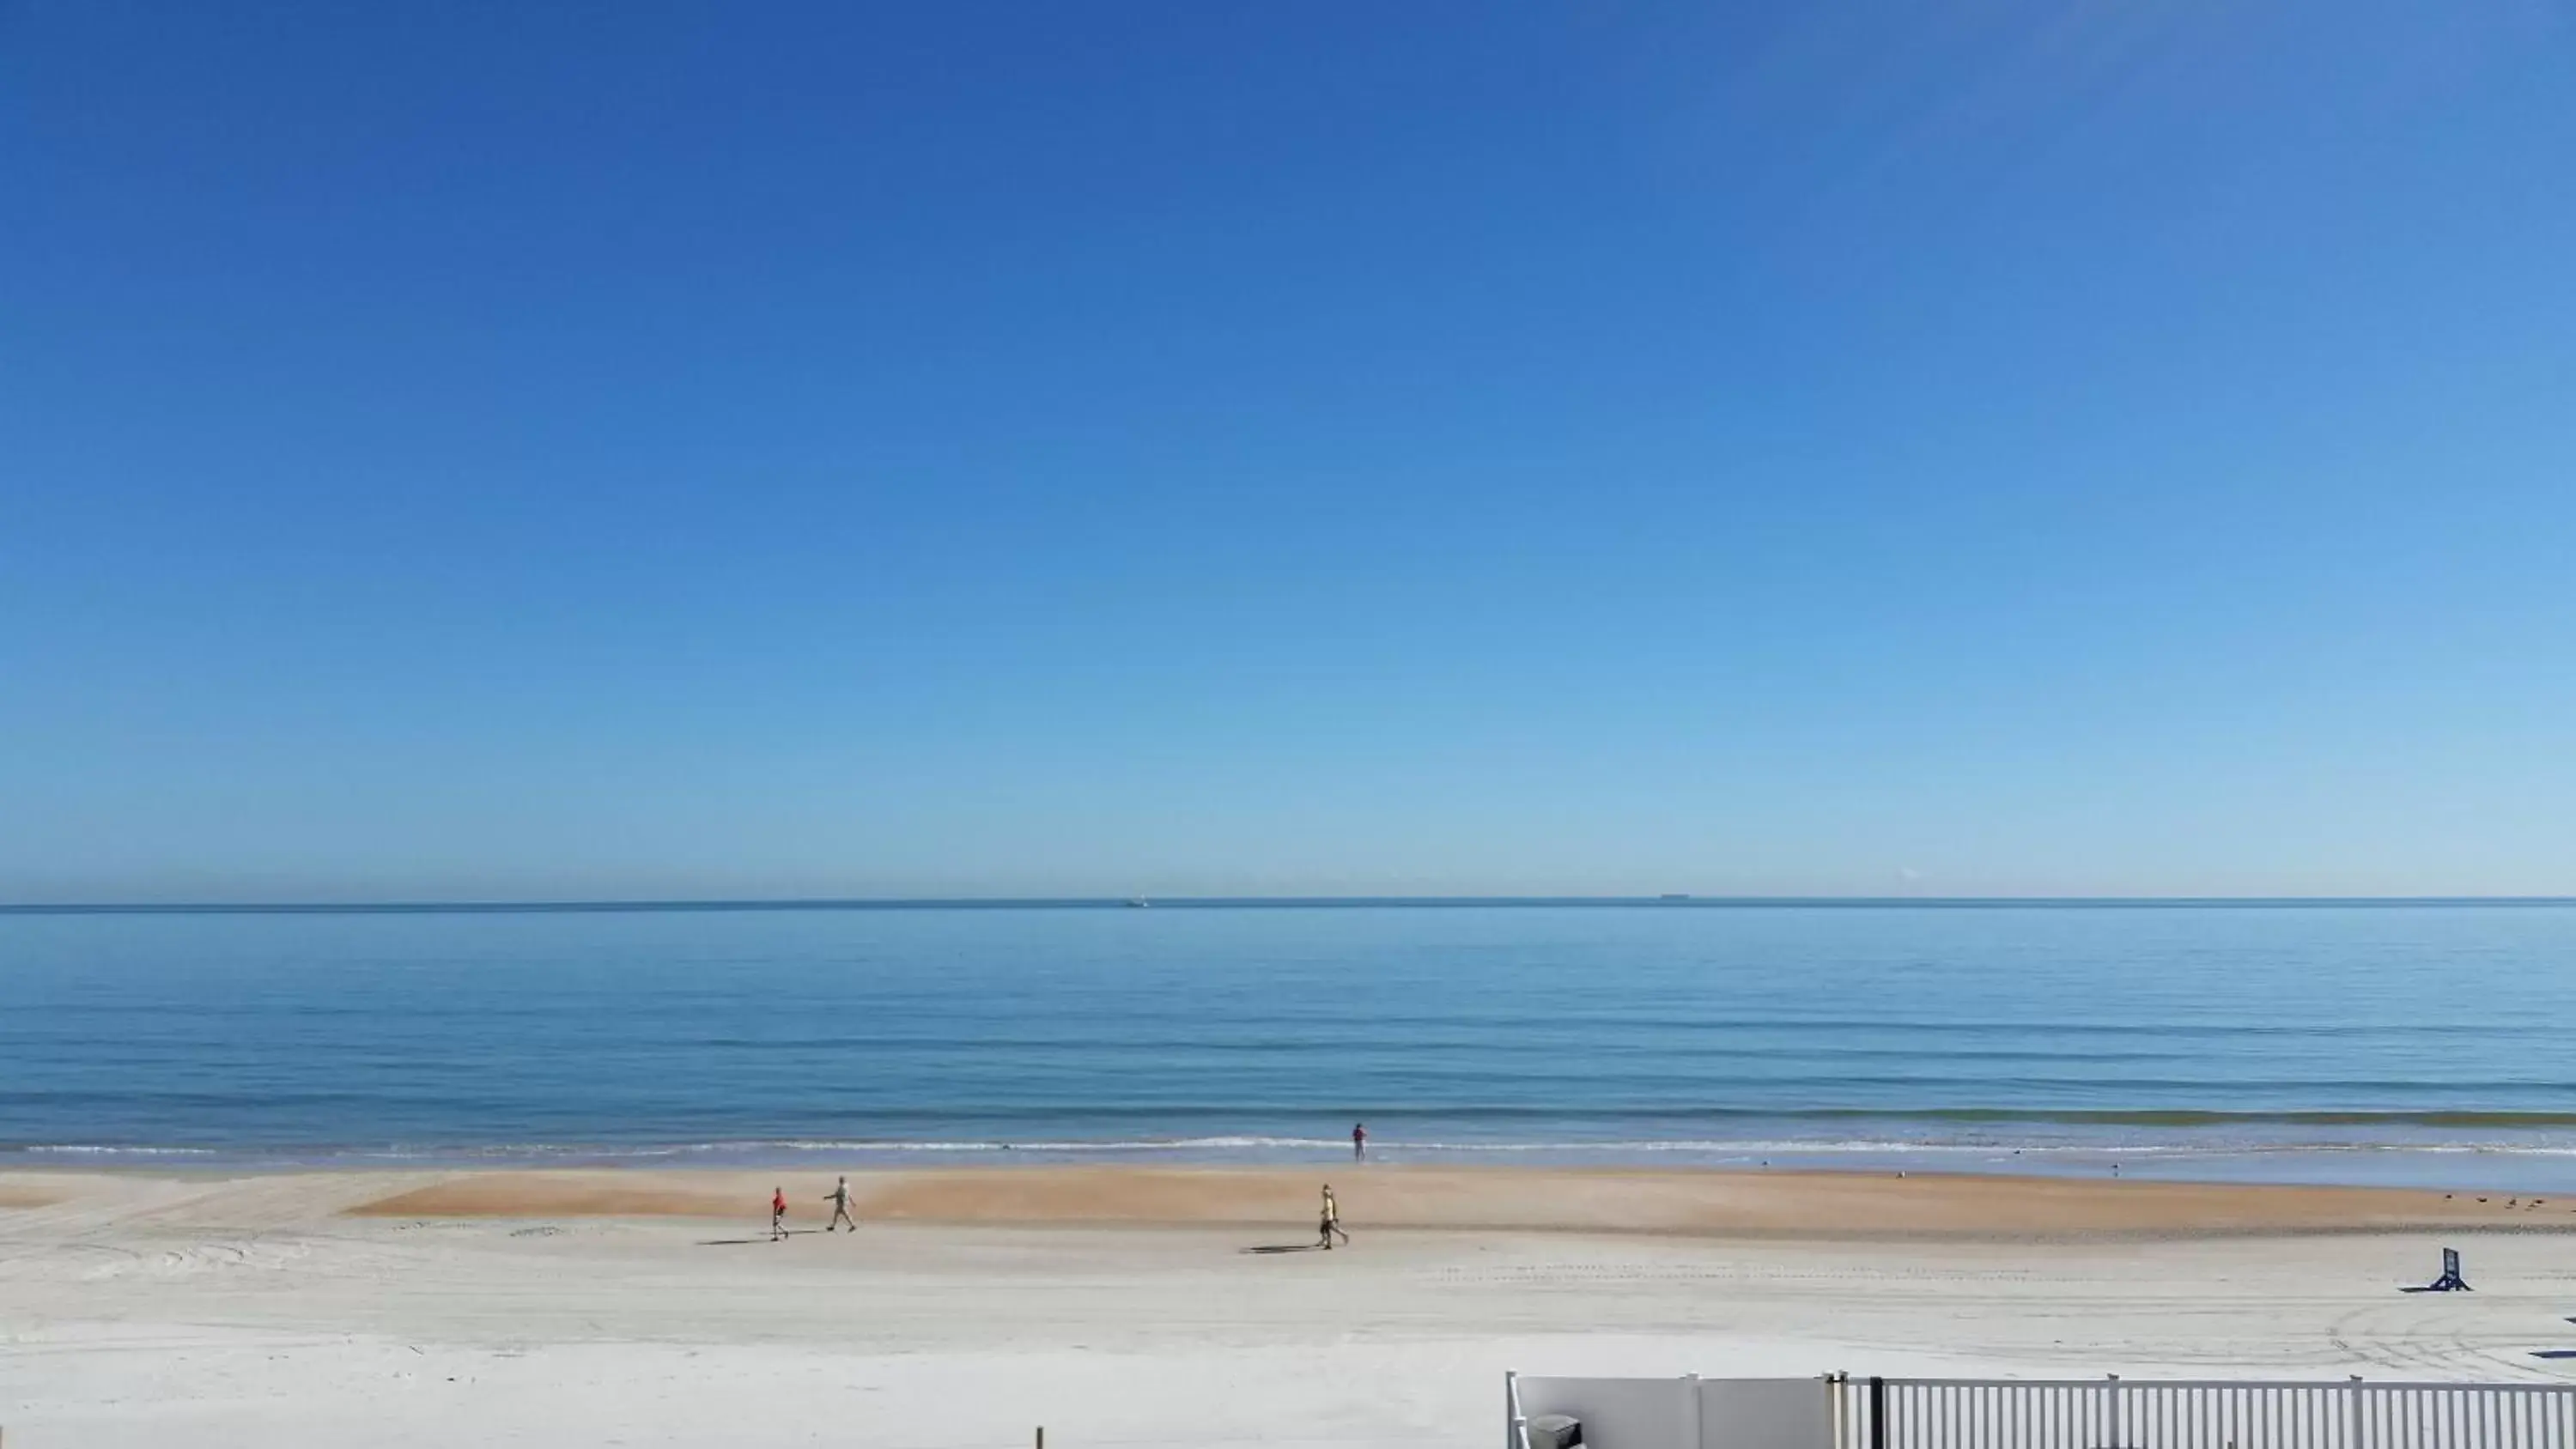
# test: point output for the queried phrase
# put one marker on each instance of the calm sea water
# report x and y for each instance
(2356, 1043)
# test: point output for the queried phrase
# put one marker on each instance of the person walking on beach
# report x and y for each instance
(777, 1213)
(1332, 1222)
(839, 1198)
(1359, 1141)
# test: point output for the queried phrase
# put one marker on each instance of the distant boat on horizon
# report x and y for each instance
(1138, 902)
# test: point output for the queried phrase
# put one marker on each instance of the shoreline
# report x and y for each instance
(2465, 1168)
(1669, 1202)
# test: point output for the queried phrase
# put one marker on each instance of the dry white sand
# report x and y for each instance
(257, 1311)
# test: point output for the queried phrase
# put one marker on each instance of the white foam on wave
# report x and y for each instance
(86, 1149)
(1159, 1144)
(1726, 1147)
(1732, 1151)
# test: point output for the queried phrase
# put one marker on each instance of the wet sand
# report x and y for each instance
(1720, 1204)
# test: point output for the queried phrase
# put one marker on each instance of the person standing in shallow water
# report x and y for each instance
(839, 1198)
(1359, 1141)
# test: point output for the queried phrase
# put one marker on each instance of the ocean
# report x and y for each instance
(2392, 1042)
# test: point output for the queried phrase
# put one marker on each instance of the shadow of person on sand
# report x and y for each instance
(763, 1238)
(1285, 1248)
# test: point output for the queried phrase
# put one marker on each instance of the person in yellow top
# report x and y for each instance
(1332, 1222)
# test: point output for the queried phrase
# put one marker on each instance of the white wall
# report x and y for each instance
(1688, 1413)
(1765, 1414)
(1620, 1413)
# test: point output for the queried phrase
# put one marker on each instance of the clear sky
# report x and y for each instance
(476, 450)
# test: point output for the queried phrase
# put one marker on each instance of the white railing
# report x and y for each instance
(2210, 1414)
(1839, 1412)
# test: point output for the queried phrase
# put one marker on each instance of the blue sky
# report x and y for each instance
(641, 450)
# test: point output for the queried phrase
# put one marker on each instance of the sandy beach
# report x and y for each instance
(1174, 1306)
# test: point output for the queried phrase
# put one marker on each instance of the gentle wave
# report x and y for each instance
(2175, 1117)
(2192, 1117)
(2185, 1130)
(1736, 1149)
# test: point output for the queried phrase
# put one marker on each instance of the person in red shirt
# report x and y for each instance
(777, 1213)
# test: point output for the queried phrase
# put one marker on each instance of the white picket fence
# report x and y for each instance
(1838, 1412)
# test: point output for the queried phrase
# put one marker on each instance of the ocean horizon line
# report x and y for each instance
(1681, 900)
